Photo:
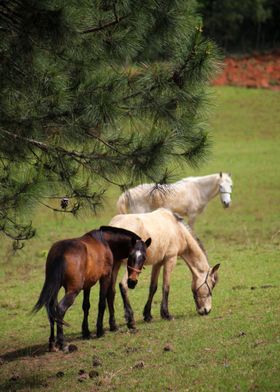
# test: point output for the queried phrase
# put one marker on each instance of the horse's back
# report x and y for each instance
(181, 197)
(161, 225)
(62, 249)
(135, 200)
(85, 260)
(131, 222)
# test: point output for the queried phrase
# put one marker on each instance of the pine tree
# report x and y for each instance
(94, 93)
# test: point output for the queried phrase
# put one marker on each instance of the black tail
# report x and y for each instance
(53, 282)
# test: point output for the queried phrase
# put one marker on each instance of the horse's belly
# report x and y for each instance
(89, 282)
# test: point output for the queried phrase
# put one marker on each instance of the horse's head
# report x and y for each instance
(136, 260)
(202, 289)
(225, 188)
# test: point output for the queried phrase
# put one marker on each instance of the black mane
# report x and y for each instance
(119, 230)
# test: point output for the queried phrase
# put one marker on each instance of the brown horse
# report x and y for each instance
(77, 264)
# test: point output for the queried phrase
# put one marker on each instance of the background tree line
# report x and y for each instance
(241, 26)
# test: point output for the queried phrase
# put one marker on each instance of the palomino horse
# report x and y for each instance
(170, 238)
(187, 197)
(77, 264)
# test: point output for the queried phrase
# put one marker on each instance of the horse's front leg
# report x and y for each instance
(86, 307)
(153, 288)
(128, 312)
(111, 296)
(167, 270)
(104, 286)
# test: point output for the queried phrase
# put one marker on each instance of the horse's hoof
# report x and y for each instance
(113, 328)
(99, 334)
(167, 317)
(53, 349)
(61, 346)
(131, 325)
(148, 318)
(87, 336)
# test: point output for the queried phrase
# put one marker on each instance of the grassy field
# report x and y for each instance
(235, 348)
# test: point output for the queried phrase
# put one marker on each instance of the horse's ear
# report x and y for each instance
(221, 174)
(229, 174)
(214, 274)
(148, 242)
(215, 269)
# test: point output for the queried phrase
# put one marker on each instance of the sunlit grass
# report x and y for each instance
(235, 348)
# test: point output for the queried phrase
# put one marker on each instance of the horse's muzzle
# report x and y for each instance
(131, 283)
(203, 312)
(226, 205)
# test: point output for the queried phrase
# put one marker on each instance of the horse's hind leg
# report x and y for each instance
(191, 220)
(86, 307)
(104, 285)
(128, 312)
(52, 347)
(63, 305)
(167, 269)
(111, 297)
(153, 288)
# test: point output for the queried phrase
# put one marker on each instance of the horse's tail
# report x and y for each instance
(123, 203)
(53, 282)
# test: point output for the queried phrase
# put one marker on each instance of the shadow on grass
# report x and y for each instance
(39, 350)
(31, 351)
(36, 350)
(23, 383)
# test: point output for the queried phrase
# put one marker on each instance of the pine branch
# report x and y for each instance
(105, 143)
(105, 26)
(72, 211)
(24, 232)
(47, 148)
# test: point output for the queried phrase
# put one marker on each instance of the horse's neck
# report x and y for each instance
(119, 246)
(194, 257)
(208, 186)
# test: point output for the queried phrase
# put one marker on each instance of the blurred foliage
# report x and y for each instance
(242, 25)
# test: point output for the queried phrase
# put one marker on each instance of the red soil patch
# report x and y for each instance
(256, 71)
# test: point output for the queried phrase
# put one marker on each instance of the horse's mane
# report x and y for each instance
(96, 233)
(120, 230)
(161, 189)
(180, 219)
(153, 189)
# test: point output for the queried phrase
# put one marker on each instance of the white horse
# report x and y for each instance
(170, 238)
(188, 197)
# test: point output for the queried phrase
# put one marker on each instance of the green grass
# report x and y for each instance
(235, 348)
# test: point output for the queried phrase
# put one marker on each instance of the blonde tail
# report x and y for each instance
(122, 204)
